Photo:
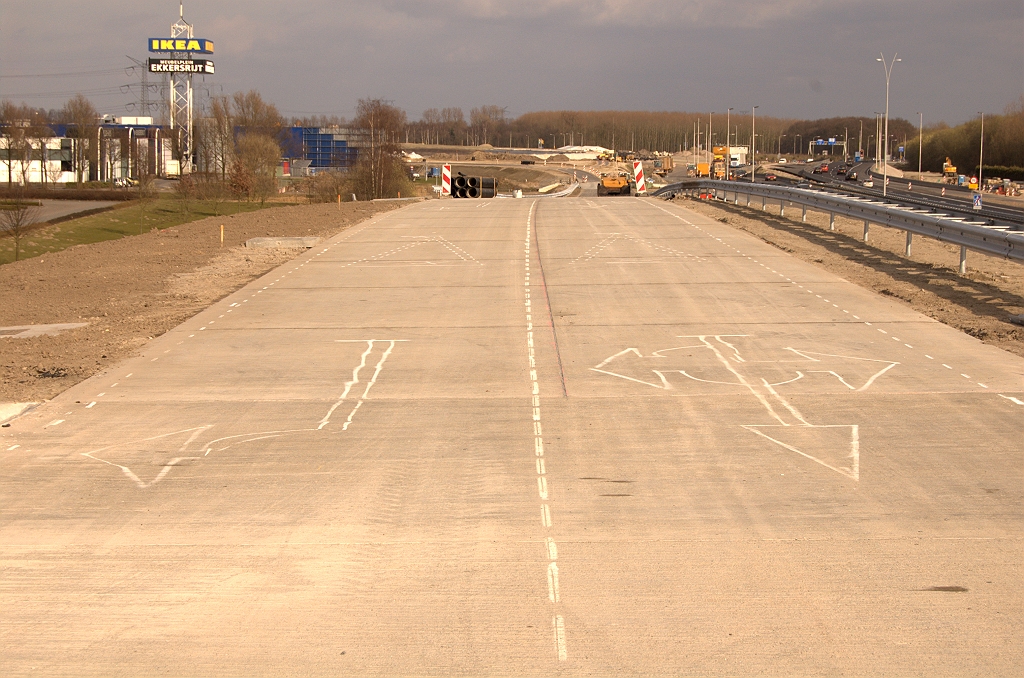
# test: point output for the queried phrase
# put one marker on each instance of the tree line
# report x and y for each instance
(1004, 145)
(239, 140)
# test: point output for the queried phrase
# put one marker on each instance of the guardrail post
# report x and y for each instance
(735, 198)
(764, 203)
(831, 221)
(866, 225)
(910, 242)
(803, 216)
(782, 208)
(963, 260)
(748, 200)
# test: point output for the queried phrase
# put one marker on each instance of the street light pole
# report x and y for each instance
(981, 155)
(860, 139)
(878, 137)
(753, 144)
(885, 161)
(728, 145)
(711, 149)
(920, 146)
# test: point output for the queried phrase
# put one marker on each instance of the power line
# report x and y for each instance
(65, 93)
(108, 71)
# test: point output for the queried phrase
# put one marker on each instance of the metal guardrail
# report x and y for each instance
(960, 204)
(999, 241)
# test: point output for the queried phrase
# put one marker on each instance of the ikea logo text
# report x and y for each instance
(195, 45)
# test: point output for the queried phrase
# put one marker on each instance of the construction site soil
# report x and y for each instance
(979, 303)
(133, 289)
(136, 288)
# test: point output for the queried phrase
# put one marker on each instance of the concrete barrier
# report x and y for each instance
(300, 243)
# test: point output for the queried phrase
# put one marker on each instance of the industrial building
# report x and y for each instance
(128, 147)
(314, 149)
(124, 147)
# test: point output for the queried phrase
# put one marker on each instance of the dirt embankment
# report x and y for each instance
(979, 303)
(133, 289)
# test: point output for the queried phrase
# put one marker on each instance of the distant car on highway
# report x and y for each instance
(868, 183)
(770, 177)
(852, 176)
(841, 169)
(782, 161)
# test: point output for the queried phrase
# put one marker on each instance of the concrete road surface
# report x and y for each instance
(514, 437)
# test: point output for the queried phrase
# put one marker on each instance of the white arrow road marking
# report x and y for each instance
(787, 417)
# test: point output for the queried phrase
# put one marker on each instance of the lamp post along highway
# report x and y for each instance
(885, 160)
(878, 136)
(728, 145)
(981, 154)
(753, 144)
(920, 145)
(711, 149)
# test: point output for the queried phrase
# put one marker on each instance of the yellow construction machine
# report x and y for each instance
(613, 184)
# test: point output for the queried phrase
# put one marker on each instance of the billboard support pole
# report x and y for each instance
(180, 88)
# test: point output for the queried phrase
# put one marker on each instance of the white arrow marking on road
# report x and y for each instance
(793, 431)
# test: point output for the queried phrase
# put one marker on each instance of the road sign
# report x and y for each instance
(977, 201)
(638, 175)
(446, 180)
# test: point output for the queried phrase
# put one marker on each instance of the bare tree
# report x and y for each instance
(211, 189)
(82, 120)
(255, 116)
(16, 217)
(13, 120)
(487, 119)
(39, 134)
(254, 173)
(453, 124)
(215, 137)
(185, 191)
(379, 172)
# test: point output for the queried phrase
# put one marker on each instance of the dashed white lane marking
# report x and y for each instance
(91, 405)
(13, 447)
(55, 422)
(1015, 401)
(543, 491)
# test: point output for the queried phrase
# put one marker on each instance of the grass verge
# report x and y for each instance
(131, 218)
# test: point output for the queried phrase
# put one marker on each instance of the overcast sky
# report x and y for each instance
(793, 58)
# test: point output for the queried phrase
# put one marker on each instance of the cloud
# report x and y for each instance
(799, 58)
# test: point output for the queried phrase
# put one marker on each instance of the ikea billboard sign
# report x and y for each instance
(194, 45)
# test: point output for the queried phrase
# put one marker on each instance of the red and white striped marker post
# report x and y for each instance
(446, 180)
(638, 175)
